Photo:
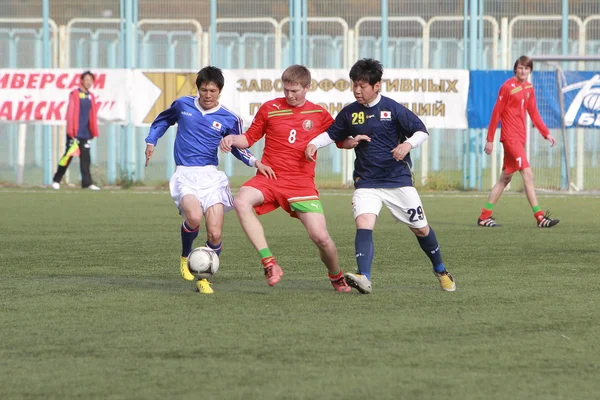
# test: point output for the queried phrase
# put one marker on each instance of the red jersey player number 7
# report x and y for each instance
(515, 99)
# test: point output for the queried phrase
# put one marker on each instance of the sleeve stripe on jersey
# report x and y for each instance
(227, 109)
(240, 121)
(245, 153)
(516, 90)
(311, 111)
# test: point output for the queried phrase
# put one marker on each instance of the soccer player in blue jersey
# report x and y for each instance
(382, 133)
(197, 187)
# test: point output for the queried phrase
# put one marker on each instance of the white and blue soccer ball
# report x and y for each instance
(203, 262)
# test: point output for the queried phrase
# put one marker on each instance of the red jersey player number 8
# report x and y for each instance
(288, 124)
(292, 137)
(287, 131)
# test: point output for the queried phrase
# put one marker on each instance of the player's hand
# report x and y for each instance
(265, 170)
(400, 151)
(551, 139)
(359, 138)
(149, 151)
(226, 144)
(489, 146)
(352, 142)
(310, 152)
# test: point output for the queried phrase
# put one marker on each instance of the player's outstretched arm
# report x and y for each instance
(244, 155)
(320, 141)
(239, 141)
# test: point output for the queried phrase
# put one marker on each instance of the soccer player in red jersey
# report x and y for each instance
(516, 97)
(288, 124)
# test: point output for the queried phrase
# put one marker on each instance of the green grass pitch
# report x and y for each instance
(92, 305)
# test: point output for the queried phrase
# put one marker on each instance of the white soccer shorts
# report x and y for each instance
(404, 203)
(209, 185)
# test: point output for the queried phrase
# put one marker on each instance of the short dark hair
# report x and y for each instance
(366, 70)
(525, 61)
(210, 74)
(86, 73)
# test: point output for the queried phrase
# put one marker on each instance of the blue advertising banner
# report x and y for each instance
(483, 92)
(581, 91)
(582, 99)
(545, 84)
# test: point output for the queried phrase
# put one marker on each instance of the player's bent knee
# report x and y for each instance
(193, 219)
(321, 240)
(241, 205)
(424, 231)
(214, 237)
(366, 221)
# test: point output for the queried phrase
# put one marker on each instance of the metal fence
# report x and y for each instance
(186, 35)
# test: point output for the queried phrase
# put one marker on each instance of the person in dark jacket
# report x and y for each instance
(82, 127)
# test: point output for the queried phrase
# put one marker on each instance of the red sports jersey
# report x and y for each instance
(287, 131)
(514, 99)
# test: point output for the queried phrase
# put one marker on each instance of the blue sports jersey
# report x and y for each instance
(198, 132)
(388, 123)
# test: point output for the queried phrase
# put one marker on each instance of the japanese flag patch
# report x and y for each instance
(216, 125)
(385, 115)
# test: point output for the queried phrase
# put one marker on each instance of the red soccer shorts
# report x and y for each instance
(281, 193)
(515, 157)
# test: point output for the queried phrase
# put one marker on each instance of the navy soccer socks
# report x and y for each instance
(430, 246)
(365, 250)
(187, 238)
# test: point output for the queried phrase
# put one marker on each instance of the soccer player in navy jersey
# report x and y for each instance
(382, 133)
(197, 187)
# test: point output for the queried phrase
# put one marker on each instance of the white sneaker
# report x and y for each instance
(359, 282)
(55, 185)
(93, 187)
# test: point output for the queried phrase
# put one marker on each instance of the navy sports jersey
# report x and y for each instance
(85, 105)
(388, 123)
(199, 132)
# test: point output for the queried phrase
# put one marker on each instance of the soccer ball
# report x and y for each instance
(203, 262)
